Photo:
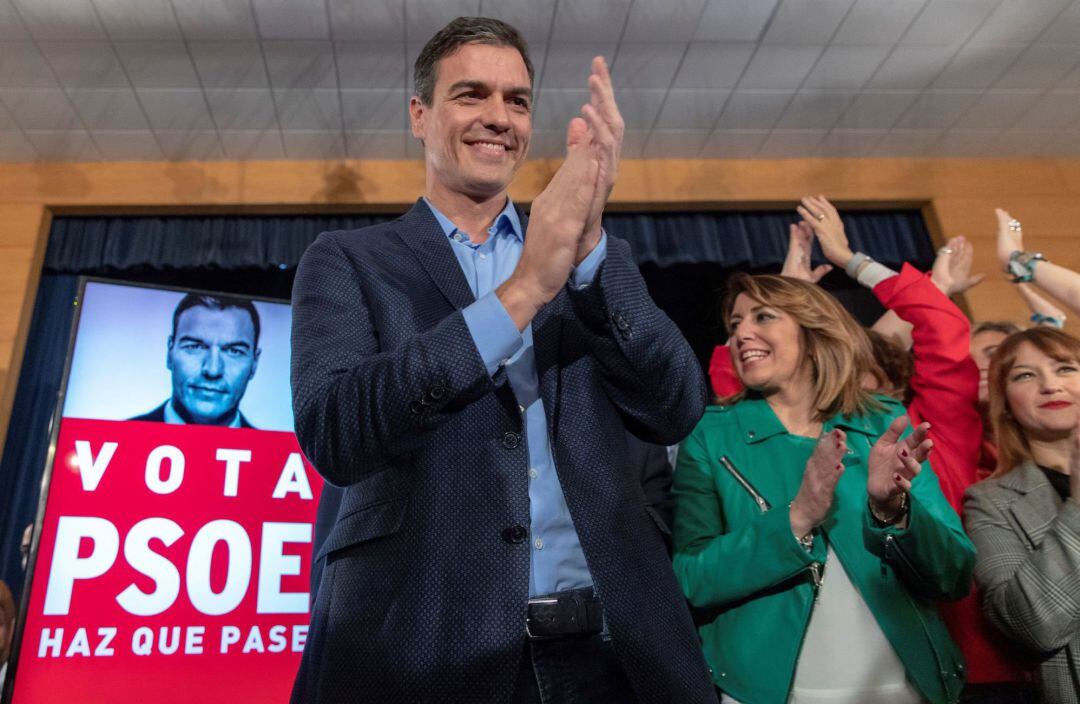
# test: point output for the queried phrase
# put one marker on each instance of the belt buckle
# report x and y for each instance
(528, 631)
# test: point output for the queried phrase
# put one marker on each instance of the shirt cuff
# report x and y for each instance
(874, 273)
(493, 331)
(585, 272)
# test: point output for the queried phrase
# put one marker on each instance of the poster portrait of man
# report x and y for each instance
(213, 352)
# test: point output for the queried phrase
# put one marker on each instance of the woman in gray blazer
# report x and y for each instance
(1025, 519)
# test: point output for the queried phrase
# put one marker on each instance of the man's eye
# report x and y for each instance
(192, 346)
(235, 351)
(520, 102)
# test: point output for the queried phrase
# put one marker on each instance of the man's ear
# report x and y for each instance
(417, 113)
(168, 353)
(254, 362)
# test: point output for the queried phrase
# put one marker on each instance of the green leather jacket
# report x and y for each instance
(753, 584)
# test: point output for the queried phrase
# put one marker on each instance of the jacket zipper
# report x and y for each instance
(762, 504)
(892, 549)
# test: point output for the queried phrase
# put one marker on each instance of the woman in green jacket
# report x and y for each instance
(807, 532)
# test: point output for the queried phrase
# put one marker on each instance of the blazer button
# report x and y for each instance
(511, 440)
(514, 534)
(416, 408)
(437, 392)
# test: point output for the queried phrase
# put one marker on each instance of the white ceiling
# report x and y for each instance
(87, 80)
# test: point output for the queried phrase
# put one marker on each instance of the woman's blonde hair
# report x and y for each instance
(1012, 442)
(838, 348)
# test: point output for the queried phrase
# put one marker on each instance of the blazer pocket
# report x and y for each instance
(375, 520)
(658, 520)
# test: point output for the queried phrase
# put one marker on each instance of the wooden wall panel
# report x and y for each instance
(958, 196)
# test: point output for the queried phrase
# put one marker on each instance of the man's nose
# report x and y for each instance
(212, 363)
(496, 116)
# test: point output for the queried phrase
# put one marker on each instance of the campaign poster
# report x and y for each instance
(173, 546)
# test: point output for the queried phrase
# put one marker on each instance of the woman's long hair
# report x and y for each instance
(1012, 442)
(838, 348)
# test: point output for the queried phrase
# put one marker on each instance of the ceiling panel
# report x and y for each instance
(289, 19)
(734, 20)
(237, 64)
(215, 19)
(138, 19)
(777, 66)
(846, 67)
(663, 20)
(375, 20)
(877, 21)
(806, 21)
(733, 144)
(109, 109)
(691, 109)
(127, 145)
(85, 64)
(252, 144)
(264, 79)
(646, 65)
(593, 21)
(713, 64)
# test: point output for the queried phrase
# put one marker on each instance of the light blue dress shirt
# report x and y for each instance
(557, 561)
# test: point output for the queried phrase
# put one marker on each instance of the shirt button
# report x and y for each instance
(539, 543)
(533, 474)
(521, 409)
(483, 256)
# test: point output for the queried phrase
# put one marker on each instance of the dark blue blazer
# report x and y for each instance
(424, 591)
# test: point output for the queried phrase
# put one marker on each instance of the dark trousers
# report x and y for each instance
(571, 671)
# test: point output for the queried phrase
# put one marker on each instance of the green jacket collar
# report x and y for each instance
(757, 422)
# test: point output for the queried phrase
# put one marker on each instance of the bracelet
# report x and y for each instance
(1021, 266)
(807, 541)
(1053, 321)
(893, 519)
(852, 267)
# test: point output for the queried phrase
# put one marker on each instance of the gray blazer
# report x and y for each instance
(1028, 570)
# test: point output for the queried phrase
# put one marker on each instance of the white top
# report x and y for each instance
(845, 656)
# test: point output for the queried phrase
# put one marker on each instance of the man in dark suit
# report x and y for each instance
(213, 353)
(468, 376)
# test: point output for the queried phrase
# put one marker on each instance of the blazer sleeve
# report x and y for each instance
(945, 383)
(646, 367)
(1033, 596)
(716, 563)
(357, 406)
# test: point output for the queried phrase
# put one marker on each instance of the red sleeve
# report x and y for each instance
(945, 383)
(722, 373)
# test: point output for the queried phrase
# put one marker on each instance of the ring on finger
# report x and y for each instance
(945, 250)
(1014, 225)
(819, 216)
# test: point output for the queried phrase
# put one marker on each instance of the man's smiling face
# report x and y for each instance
(476, 131)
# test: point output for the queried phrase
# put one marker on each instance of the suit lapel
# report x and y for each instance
(1038, 507)
(425, 237)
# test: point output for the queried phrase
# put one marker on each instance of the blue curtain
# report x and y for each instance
(683, 256)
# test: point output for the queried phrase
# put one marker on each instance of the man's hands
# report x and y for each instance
(822, 473)
(564, 223)
(952, 267)
(894, 463)
(606, 128)
(797, 262)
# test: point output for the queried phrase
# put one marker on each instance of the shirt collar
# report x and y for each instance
(757, 421)
(506, 222)
(173, 418)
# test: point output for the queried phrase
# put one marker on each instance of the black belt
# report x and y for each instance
(575, 612)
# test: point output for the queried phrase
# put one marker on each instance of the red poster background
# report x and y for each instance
(123, 498)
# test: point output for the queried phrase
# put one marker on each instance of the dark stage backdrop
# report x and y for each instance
(684, 257)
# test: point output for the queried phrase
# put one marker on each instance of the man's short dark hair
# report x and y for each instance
(462, 31)
(193, 300)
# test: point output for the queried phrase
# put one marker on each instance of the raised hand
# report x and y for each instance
(606, 128)
(1010, 238)
(556, 223)
(823, 470)
(894, 463)
(952, 267)
(1074, 464)
(797, 262)
(825, 220)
